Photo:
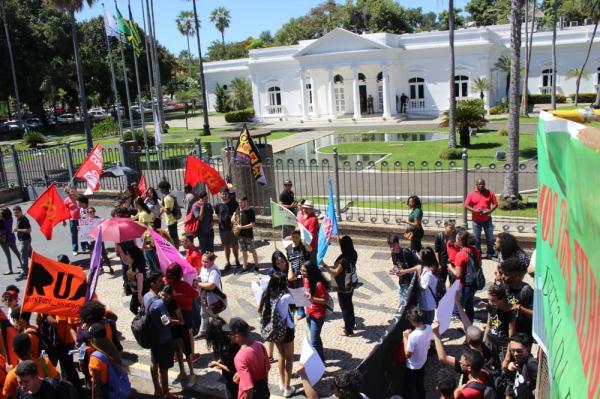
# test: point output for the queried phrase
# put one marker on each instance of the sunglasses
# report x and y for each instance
(7, 298)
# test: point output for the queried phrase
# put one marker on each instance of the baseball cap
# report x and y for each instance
(237, 325)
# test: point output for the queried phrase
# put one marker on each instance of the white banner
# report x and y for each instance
(86, 225)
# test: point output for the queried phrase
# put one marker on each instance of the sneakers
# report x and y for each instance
(75, 253)
(288, 392)
(21, 277)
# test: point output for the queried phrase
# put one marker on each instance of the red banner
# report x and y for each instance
(54, 288)
(91, 169)
(48, 211)
(197, 171)
(142, 187)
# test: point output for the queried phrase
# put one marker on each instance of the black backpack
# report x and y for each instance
(474, 274)
(273, 326)
(143, 328)
(487, 391)
(176, 208)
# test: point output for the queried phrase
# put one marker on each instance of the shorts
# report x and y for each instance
(289, 335)
(162, 355)
(246, 243)
(227, 238)
(188, 318)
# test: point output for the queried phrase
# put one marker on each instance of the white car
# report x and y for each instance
(65, 119)
(97, 114)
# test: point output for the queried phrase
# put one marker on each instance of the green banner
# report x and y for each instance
(567, 296)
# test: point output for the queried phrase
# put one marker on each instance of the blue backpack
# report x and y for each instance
(119, 386)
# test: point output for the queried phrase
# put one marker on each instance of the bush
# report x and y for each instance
(503, 131)
(545, 99)
(33, 138)
(501, 108)
(585, 98)
(469, 113)
(495, 110)
(139, 138)
(450, 153)
(242, 115)
(107, 127)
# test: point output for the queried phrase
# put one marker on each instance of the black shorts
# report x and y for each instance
(289, 335)
(188, 318)
(162, 355)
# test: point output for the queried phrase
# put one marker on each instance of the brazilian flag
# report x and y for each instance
(129, 31)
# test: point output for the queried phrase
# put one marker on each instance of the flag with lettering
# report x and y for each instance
(197, 171)
(566, 314)
(91, 169)
(167, 254)
(329, 227)
(54, 288)
(247, 152)
(48, 210)
(95, 267)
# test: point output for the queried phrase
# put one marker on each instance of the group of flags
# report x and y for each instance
(123, 29)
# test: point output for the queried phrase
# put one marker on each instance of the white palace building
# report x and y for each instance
(341, 73)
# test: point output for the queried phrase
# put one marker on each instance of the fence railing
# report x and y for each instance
(366, 191)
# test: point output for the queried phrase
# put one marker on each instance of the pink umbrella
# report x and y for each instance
(119, 229)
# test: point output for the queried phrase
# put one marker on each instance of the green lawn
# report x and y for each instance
(483, 149)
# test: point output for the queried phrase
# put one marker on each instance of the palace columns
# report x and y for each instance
(355, 93)
(386, 91)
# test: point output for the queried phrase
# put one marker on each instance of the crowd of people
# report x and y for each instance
(180, 311)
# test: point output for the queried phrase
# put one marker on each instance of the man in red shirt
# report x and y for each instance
(471, 362)
(73, 208)
(251, 362)
(482, 202)
(308, 219)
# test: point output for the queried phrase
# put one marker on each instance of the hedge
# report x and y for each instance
(585, 97)
(450, 153)
(545, 99)
(241, 115)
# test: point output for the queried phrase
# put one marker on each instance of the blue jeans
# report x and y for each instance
(206, 239)
(467, 295)
(152, 260)
(488, 228)
(74, 228)
(345, 301)
(25, 251)
(315, 326)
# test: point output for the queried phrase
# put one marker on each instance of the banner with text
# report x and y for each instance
(567, 297)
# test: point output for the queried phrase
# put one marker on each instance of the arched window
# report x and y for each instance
(338, 91)
(547, 77)
(461, 86)
(362, 78)
(380, 76)
(274, 95)
(416, 88)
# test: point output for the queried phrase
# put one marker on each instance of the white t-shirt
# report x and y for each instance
(211, 275)
(427, 280)
(283, 307)
(418, 344)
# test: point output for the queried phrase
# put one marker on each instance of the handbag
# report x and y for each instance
(216, 300)
(191, 224)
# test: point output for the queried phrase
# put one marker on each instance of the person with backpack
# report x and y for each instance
(161, 345)
(277, 326)
(108, 378)
(315, 288)
(225, 211)
(520, 368)
(518, 293)
(344, 274)
(428, 284)
(44, 368)
(32, 386)
(467, 266)
(402, 258)
(500, 322)
(203, 211)
(478, 384)
(209, 281)
(170, 210)
(251, 362)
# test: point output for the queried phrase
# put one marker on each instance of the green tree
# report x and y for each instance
(572, 10)
(185, 26)
(221, 17)
(443, 23)
(72, 6)
(228, 51)
(470, 113)
(488, 12)
(578, 74)
(593, 9)
(481, 85)
(503, 64)
(291, 33)
(240, 94)
(222, 99)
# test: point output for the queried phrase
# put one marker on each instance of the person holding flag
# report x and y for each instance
(308, 219)
(329, 228)
(74, 214)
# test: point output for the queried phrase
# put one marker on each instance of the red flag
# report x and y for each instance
(142, 186)
(197, 171)
(91, 169)
(48, 210)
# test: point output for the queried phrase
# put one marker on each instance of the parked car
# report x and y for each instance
(65, 119)
(136, 109)
(33, 123)
(97, 114)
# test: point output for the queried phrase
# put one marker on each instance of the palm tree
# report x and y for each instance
(503, 64)
(554, 22)
(511, 179)
(452, 94)
(71, 7)
(185, 25)
(481, 85)
(206, 127)
(221, 18)
(528, 47)
(593, 9)
(240, 90)
(577, 73)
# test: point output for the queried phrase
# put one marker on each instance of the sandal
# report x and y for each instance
(345, 334)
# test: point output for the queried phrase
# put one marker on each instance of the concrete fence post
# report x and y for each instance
(20, 181)
(69, 156)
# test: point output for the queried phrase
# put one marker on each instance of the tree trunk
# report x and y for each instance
(525, 85)
(189, 56)
(452, 91)
(555, 20)
(511, 180)
(223, 37)
(507, 84)
(587, 57)
(81, 82)
(206, 127)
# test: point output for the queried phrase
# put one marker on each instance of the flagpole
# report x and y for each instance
(148, 64)
(139, 89)
(114, 81)
(125, 78)
(159, 103)
(154, 59)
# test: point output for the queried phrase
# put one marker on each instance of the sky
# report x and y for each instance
(248, 17)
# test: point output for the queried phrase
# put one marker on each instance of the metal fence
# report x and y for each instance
(366, 192)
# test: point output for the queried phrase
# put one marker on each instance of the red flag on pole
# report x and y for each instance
(48, 210)
(142, 187)
(197, 171)
(91, 169)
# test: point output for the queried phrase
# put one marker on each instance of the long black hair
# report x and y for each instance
(129, 248)
(508, 245)
(277, 285)
(314, 276)
(277, 255)
(140, 202)
(347, 247)
(216, 339)
(428, 258)
(417, 201)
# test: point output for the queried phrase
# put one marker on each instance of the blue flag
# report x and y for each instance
(328, 229)
(94, 267)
